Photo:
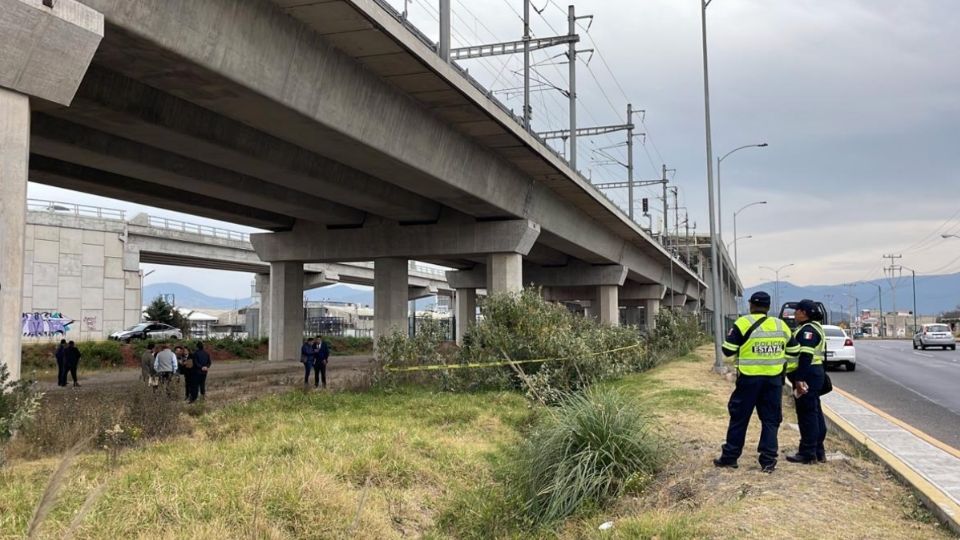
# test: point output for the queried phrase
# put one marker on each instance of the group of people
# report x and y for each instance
(314, 354)
(768, 352)
(160, 365)
(68, 360)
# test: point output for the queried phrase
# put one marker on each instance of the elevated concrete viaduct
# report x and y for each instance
(332, 124)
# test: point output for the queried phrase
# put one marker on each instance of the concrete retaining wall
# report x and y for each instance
(79, 280)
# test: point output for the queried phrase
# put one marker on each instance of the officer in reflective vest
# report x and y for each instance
(807, 375)
(761, 344)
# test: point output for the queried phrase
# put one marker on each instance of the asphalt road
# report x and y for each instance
(921, 388)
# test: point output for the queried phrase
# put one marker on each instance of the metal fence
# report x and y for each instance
(73, 209)
(197, 228)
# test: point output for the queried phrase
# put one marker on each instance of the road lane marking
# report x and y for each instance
(924, 354)
(905, 387)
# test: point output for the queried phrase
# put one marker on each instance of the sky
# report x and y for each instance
(859, 101)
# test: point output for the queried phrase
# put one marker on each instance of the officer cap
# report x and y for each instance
(760, 298)
(808, 307)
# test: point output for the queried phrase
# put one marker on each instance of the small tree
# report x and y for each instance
(19, 401)
(162, 311)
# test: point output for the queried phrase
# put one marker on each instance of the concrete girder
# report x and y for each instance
(637, 291)
(108, 101)
(416, 293)
(392, 240)
(58, 173)
(575, 275)
(166, 44)
(56, 138)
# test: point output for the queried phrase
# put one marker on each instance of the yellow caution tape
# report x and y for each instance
(437, 367)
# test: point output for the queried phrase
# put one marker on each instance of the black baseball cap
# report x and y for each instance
(760, 298)
(808, 306)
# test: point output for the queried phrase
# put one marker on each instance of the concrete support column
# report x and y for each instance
(286, 310)
(390, 277)
(466, 312)
(608, 304)
(14, 157)
(263, 288)
(652, 307)
(504, 273)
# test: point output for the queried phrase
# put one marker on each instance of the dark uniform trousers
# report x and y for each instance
(765, 394)
(813, 428)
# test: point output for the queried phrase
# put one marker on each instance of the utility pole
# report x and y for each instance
(666, 212)
(526, 65)
(630, 201)
(883, 326)
(893, 278)
(572, 56)
(445, 30)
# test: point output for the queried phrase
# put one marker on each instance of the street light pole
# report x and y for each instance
(719, 190)
(776, 272)
(736, 259)
(714, 255)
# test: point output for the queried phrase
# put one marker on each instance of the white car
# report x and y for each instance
(147, 330)
(840, 349)
(934, 335)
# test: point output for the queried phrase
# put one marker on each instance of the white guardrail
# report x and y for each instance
(196, 228)
(71, 209)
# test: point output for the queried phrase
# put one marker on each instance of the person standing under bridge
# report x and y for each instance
(761, 344)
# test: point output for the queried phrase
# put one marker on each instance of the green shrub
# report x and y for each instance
(19, 402)
(523, 328)
(100, 353)
(594, 447)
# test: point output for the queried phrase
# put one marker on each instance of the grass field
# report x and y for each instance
(416, 463)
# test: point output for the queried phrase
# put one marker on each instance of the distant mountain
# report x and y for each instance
(935, 294)
(184, 296)
(187, 297)
(339, 292)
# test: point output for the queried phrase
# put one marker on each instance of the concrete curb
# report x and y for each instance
(945, 508)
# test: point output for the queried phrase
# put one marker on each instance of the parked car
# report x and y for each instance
(934, 335)
(840, 349)
(147, 330)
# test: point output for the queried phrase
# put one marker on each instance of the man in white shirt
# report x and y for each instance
(165, 364)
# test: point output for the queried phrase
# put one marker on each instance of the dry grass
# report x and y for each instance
(388, 465)
(853, 498)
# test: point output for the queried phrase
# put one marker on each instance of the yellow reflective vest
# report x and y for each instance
(766, 348)
(819, 352)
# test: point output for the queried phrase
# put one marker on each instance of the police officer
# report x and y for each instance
(761, 344)
(807, 375)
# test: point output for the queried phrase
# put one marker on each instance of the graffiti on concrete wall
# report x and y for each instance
(46, 323)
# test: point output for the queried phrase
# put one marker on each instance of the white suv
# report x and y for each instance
(934, 335)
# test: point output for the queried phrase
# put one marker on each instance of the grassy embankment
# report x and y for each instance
(421, 463)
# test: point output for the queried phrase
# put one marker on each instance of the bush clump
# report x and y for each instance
(19, 402)
(525, 329)
(592, 448)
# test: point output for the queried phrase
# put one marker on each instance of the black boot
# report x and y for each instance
(797, 458)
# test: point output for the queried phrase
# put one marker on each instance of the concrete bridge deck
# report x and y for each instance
(333, 124)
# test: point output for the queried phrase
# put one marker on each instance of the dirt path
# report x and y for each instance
(229, 374)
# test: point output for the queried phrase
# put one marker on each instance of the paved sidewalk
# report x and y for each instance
(930, 466)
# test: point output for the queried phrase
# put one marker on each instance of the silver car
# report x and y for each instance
(934, 335)
(147, 330)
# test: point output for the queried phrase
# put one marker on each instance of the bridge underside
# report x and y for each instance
(322, 120)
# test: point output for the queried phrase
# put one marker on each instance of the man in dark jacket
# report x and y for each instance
(320, 362)
(201, 365)
(61, 363)
(71, 356)
(307, 355)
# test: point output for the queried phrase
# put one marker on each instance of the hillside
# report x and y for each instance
(191, 298)
(935, 294)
